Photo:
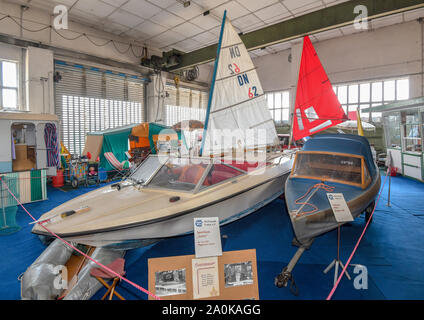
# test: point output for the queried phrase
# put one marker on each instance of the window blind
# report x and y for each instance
(184, 104)
(89, 99)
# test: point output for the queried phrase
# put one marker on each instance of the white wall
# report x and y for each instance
(382, 53)
(39, 81)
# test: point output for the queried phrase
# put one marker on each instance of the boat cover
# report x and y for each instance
(40, 281)
(343, 143)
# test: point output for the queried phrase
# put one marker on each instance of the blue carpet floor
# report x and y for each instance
(392, 249)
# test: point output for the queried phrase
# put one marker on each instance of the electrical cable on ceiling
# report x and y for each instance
(160, 89)
(130, 46)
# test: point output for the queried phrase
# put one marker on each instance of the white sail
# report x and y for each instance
(238, 106)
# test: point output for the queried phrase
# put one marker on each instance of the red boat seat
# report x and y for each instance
(219, 176)
(191, 174)
(245, 166)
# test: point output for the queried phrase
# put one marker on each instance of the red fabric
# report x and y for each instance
(314, 90)
(116, 266)
(353, 116)
(218, 176)
(245, 165)
(113, 161)
(191, 174)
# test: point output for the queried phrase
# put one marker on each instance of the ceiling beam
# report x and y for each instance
(318, 21)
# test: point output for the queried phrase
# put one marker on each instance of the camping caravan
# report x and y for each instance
(118, 147)
(152, 138)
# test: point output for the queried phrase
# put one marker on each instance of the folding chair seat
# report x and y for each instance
(120, 167)
(101, 275)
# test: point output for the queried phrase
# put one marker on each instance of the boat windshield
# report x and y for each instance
(341, 168)
(181, 174)
(148, 167)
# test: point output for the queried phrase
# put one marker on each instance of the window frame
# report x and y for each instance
(364, 183)
(17, 88)
(370, 103)
(283, 107)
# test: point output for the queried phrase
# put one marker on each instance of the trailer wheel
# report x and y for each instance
(74, 183)
(368, 212)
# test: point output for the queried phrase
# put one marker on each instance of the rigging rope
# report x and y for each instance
(318, 186)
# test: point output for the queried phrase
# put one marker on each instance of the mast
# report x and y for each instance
(208, 110)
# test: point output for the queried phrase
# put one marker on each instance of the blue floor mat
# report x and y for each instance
(391, 249)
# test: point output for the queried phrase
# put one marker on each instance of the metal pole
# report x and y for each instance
(389, 172)
(388, 198)
(2, 205)
(338, 243)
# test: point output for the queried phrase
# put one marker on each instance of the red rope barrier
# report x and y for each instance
(357, 243)
(80, 252)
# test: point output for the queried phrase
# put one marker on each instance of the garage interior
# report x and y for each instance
(98, 66)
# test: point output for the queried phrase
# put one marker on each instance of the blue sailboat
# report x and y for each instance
(329, 166)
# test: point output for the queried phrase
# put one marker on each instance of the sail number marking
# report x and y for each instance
(236, 68)
(252, 92)
(234, 52)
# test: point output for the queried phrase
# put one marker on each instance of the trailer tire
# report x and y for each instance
(368, 212)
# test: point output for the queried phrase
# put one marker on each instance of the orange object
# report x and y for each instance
(58, 181)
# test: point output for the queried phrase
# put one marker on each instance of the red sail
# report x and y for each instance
(317, 107)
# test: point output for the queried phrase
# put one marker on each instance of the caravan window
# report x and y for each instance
(329, 167)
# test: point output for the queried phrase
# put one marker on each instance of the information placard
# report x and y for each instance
(207, 237)
(340, 209)
(205, 277)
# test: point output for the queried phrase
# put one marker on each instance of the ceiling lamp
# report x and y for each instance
(184, 3)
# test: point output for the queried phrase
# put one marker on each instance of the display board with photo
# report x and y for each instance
(238, 274)
(172, 282)
(174, 278)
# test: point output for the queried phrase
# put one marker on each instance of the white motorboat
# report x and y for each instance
(161, 198)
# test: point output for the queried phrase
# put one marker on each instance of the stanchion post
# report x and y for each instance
(388, 198)
(3, 209)
(389, 172)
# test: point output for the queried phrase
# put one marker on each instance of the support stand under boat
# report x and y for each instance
(286, 276)
(337, 262)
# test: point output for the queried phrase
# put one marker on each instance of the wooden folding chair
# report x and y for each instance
(101, 275)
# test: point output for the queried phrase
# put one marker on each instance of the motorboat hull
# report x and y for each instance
(310, 226)
(330, 163)
(232, 201)
(228, 210)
